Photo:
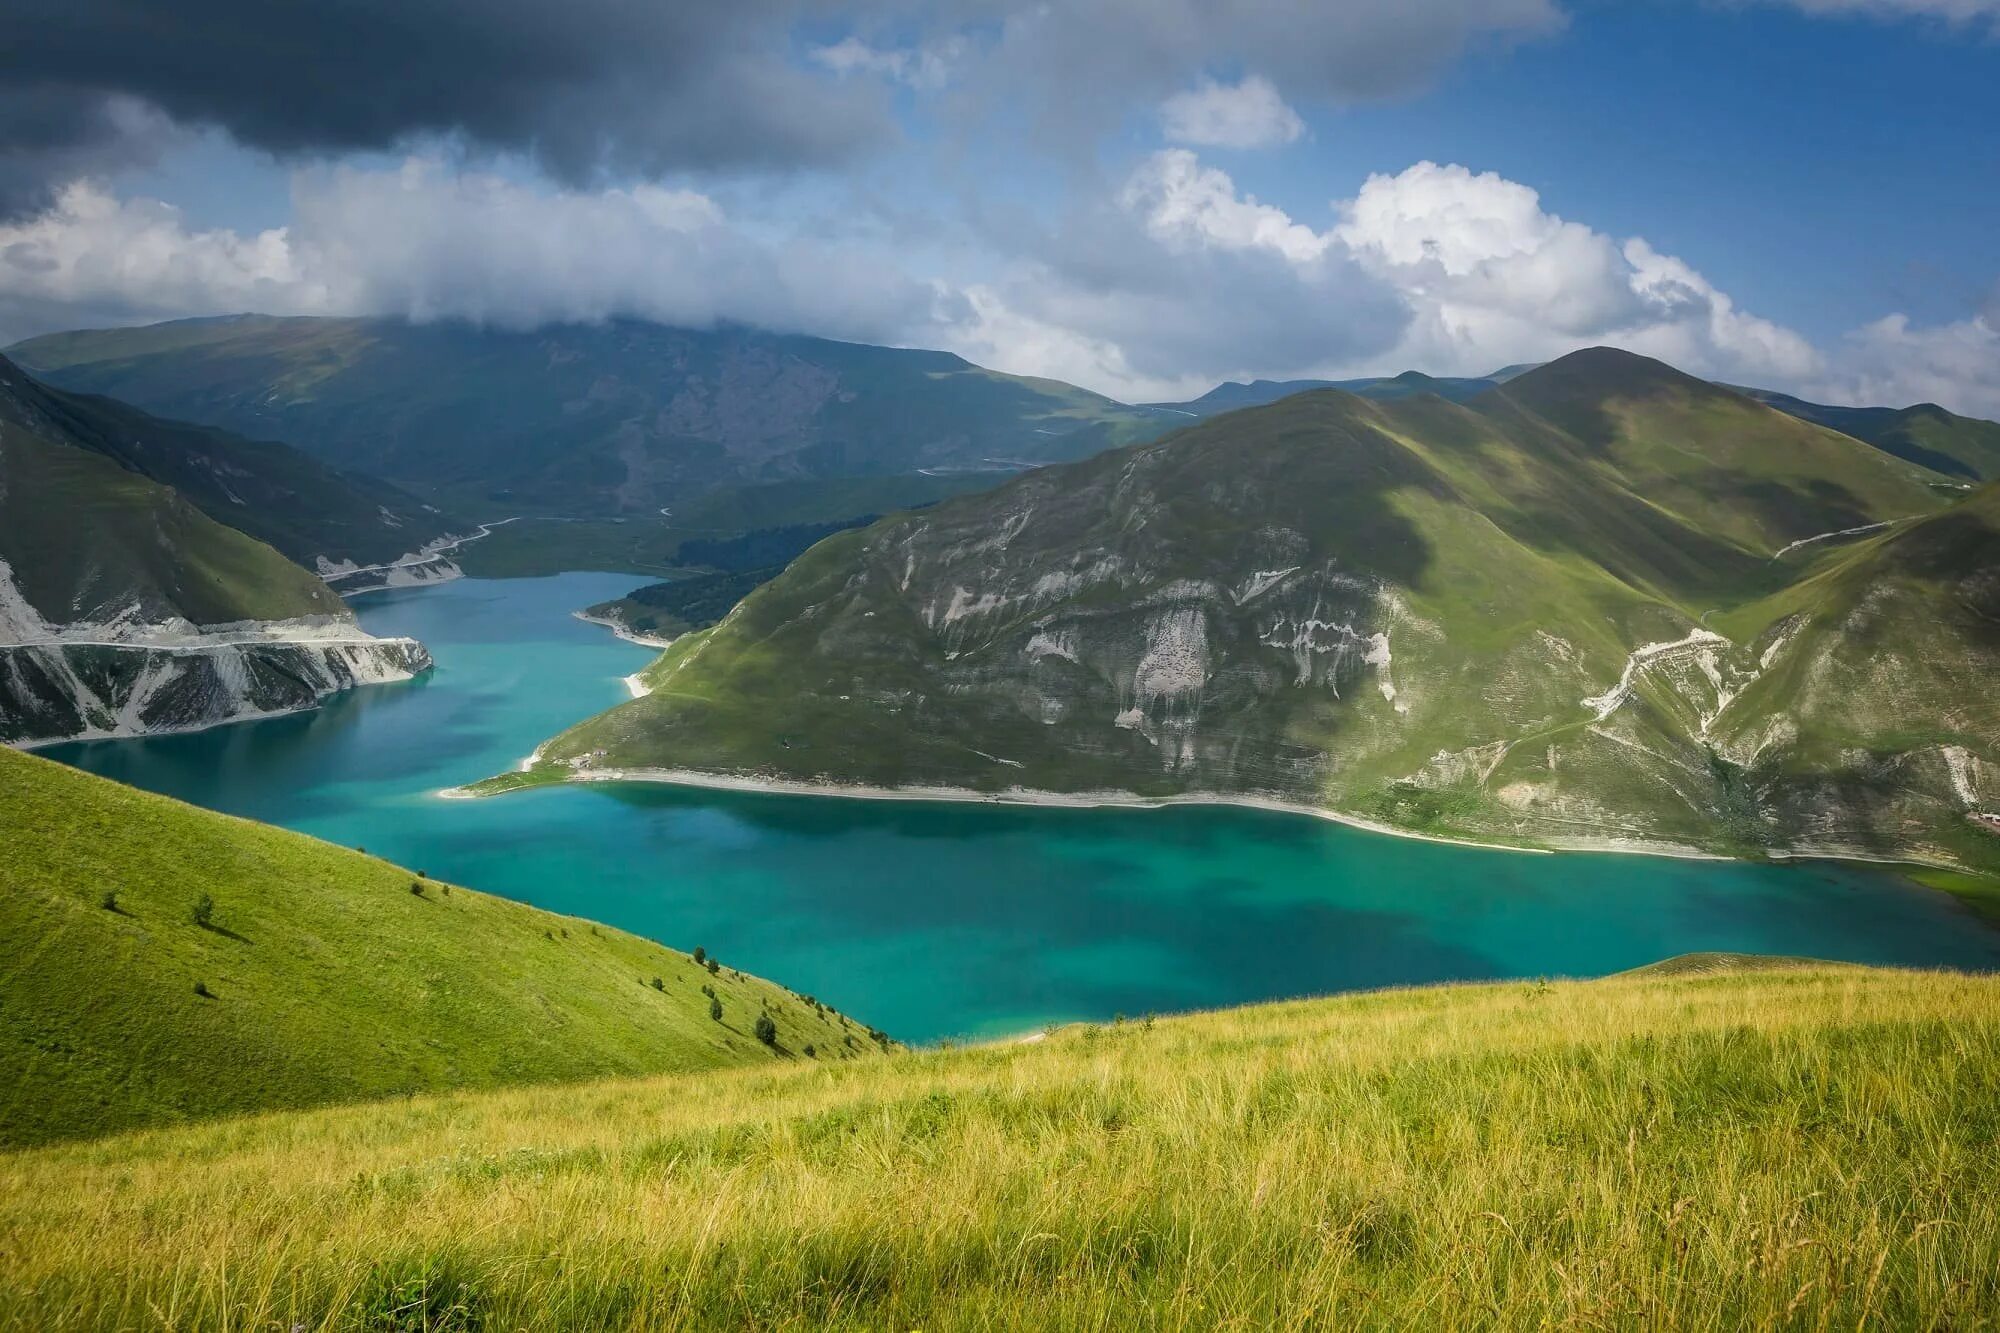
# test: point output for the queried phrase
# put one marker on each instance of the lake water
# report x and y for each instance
(935, 920)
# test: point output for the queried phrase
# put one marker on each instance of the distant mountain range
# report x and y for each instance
(145, 583)
(1231, 396)
(1604, 603)
(628, 418)
(618, 418)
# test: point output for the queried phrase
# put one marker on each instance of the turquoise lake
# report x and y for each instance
(935, 920)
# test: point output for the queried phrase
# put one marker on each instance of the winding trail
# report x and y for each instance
(422, 557)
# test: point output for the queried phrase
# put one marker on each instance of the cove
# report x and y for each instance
(940, 919)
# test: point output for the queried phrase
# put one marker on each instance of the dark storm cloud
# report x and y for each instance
(50, 135)
(584, 85)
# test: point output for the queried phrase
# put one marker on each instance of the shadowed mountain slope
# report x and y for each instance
(623, 417)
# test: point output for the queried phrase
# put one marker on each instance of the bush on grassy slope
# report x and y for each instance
(328, 979)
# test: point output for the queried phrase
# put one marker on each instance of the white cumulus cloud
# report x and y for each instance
(1154, 288)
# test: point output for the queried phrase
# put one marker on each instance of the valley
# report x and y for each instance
(1051, 914)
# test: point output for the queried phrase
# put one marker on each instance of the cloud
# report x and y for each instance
(427, 243)
(1155, 288)
(605, 90)
(585, 88)
(52, 136)
(925, 70)
(1896, 362)
(1249, 114)
(1950, 11)
(1491, 277)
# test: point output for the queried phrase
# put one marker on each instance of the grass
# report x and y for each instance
(328, 976)
(1810, 1148)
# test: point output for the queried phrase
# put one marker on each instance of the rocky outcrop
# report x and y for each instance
(90, 682)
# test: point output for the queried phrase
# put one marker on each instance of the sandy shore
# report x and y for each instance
(1091, 800)
(643, 640)
(1095, 800)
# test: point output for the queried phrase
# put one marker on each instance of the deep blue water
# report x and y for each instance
(937, 919)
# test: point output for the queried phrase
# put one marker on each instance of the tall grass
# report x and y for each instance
(1811, 1148)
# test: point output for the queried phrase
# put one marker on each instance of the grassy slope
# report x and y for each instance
(1962, 448)
(270, 491)
(330, 979)
(87, 539)
(1802, 1148)
(1725, 465)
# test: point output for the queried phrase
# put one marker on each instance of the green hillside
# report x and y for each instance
(1809, 1147)
(86, 540)
(318, 976)
(1535, 618)
(272, 492)
(619, 418)
(1964, 449)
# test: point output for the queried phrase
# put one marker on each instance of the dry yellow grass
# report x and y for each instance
(1811, 1148)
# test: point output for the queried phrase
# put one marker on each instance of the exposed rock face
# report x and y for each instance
(130, 675)
(58, 691)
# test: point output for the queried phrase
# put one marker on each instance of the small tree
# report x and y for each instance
(766, 1030)
(811, 1054)
(659, 984)
(203, 914)
(700, 954)
(110, 900)
(715, 1007)
(417, 888)
(201, 989)
(713, 967)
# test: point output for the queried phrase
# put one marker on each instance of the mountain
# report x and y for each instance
(316, 516)
(124, 607)
(616, 418)
(1552, 616)
(1714, 1147)
(323, 976)
(1964, 448)
(1257, 393)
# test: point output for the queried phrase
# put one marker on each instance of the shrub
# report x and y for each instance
(713, 967)
(811, 1054)
(201, 989)
(416, 888)
(659, 984)
(766, 1030)
(700, 954)
(715, 1007)
(445, 889)
(109, 902)
(203, 914)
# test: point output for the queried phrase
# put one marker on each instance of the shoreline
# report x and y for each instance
(644, 641)
(1090, 800)
(1100, 800)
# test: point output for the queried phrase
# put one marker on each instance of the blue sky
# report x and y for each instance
(1143, 196)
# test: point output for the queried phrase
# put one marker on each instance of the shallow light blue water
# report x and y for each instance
(937, 919)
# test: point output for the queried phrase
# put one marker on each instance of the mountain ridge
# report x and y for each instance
(1468, 620)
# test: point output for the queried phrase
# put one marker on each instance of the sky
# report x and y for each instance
(1145, 197)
